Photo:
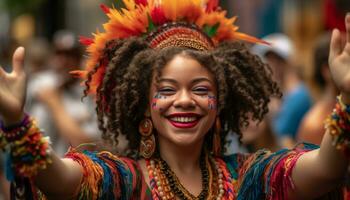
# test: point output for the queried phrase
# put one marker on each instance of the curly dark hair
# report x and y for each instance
(243, 83)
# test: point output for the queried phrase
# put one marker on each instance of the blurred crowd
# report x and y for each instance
(299, 34)
(54, 97)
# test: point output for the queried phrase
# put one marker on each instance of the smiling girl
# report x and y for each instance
(175, 91)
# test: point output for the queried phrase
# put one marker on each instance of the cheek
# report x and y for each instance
(208, 103)
(160, 102)
(212, 102)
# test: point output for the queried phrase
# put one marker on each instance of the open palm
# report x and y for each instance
(339, 60)
(13, 89)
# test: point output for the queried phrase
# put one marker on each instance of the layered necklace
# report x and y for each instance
(165, 184)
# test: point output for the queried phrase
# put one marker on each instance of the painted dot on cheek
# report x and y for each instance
(154, 104)
(155, 99)
(212, 102)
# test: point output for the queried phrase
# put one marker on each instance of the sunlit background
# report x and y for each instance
(302, 20)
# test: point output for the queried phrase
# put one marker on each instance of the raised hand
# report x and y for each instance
(339, 61)
(13, 89)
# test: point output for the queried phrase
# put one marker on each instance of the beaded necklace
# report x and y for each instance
(178, 188)
(166, 186)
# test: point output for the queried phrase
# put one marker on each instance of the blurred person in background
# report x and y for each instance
(42, 77)
(311, 128)
(260, 135)
(74, 121)
(296, 101)
(54, 95)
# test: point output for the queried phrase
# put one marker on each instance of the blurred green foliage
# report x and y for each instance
(16, 7)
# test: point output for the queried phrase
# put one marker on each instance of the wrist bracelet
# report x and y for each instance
(338, 123)
(17, 131)
(29, 151)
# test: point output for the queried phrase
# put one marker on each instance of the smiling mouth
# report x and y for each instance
(184, 120)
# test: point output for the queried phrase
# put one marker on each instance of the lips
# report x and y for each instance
(184, 120)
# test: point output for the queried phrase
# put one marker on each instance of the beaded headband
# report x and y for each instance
(179, 35)
(195, 24)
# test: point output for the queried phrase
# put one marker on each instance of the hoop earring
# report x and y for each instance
(147, 143)
(216, 138)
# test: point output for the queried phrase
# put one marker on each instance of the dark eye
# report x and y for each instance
(201, 90)
(166, 91)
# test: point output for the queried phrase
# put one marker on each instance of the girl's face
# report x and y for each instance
(183, 103)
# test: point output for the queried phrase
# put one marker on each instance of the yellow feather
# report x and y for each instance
(129, 4)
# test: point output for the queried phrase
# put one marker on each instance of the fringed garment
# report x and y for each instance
(262, 175)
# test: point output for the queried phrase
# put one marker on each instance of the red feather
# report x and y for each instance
(212, 5)
(143, 2)
(104, 8)
(158, 16)
(85, 40)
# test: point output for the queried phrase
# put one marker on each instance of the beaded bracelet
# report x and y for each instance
(16, 131)
(29, 150)
(338, 123)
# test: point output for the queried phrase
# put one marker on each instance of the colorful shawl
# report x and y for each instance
(262, 175)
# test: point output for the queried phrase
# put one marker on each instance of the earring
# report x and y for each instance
(216, 138)
(147, 143)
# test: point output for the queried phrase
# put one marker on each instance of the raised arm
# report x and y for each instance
(60, 177)
(319, 171)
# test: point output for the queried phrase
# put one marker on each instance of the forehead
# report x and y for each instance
(185, 68)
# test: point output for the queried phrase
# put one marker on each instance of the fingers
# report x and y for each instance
(18, 60)
(336, 44)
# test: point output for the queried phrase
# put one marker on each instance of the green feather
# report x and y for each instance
(211, 30)
(151, 26)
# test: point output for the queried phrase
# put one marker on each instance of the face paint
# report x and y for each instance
(155, 100)
(212, 102)
(184, 88)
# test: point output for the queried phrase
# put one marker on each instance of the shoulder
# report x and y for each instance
(108, 176)
(233, 162)
(264, 173)
(100, 157)
(263, 158)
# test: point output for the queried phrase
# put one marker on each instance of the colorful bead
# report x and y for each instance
(29, 150)
(180, 35)
(168, 188)
(17, 131)
(338, 124)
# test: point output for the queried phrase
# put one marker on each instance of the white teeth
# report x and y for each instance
(183, 119)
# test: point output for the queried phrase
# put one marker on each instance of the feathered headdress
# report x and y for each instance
(197, 24)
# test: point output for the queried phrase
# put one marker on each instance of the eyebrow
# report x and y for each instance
(194, 81)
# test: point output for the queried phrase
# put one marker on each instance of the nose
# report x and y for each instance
(184, 100)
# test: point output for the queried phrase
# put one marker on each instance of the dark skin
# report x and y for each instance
(315, 172)
(249, 90)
